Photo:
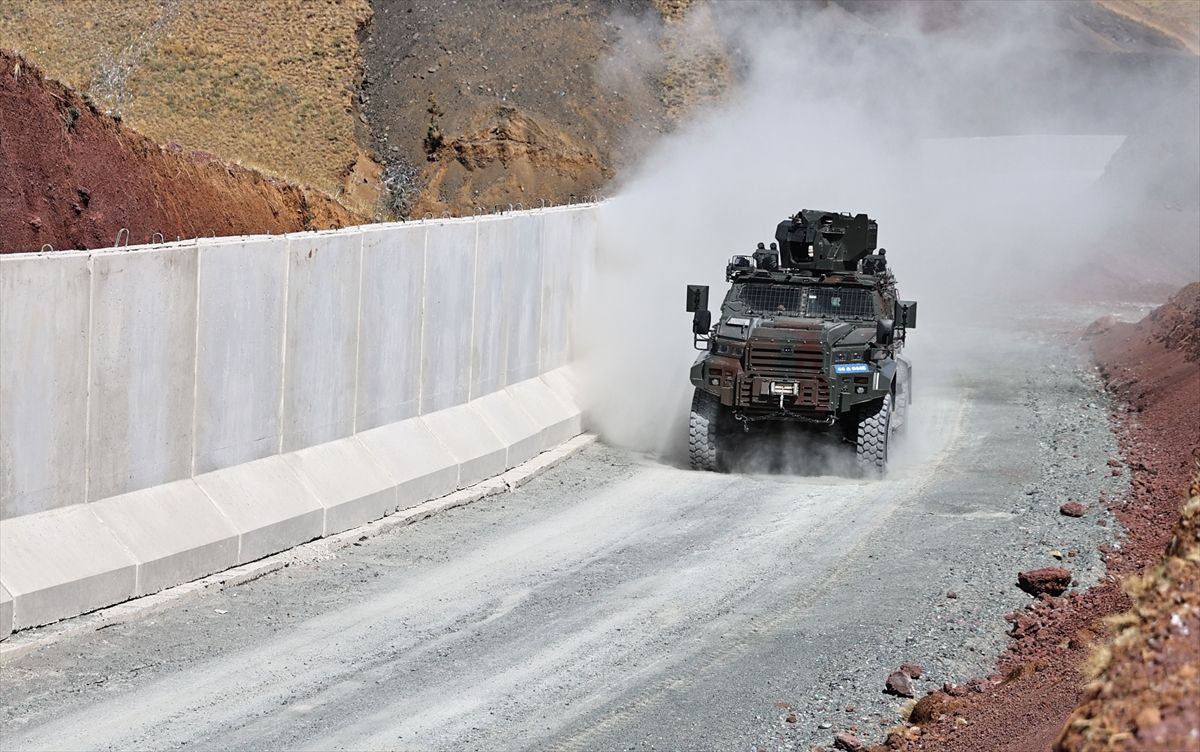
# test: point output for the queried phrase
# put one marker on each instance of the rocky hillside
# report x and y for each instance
(270, 84)
(74, 177)
(426, 106)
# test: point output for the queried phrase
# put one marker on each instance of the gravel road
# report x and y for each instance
(617, 602)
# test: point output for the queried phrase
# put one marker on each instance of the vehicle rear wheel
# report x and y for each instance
(874, 431)
(704, 433)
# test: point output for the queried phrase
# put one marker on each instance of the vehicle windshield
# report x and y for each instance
(808, 301)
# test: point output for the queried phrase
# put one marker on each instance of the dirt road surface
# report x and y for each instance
(618, 602)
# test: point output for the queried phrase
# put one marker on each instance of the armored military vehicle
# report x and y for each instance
(809, 332)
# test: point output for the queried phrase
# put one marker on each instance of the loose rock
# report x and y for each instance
(1052, 580)
(1072, 509)
(954, 690)
(912, 669)
(848, 743)
(899, 683)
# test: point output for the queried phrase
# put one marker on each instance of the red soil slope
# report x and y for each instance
(71, 177)
(1063, 684)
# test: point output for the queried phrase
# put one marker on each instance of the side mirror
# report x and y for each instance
(906, 314)
(697, 298)
(884, 332)
(702, 322)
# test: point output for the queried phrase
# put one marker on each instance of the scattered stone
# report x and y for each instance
(791, 718)
(824, 725)
(1052, 580)
(1114, 463)
(1102, 523)
(1057, 554)
(951, 594)
(848, 743)
(899, 683)
(954, 690)
(1072, 509)
(912, 669)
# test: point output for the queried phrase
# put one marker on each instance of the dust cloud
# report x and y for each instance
(977, 148)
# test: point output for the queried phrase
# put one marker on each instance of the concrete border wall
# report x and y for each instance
(170, 411)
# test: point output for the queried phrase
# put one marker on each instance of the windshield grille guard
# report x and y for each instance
(810, 301)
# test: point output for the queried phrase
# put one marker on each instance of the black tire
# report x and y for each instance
(874, 431)
(704, 433)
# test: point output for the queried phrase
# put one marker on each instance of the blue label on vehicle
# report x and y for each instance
(851, 368)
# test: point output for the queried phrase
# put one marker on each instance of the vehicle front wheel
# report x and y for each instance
(704, 433)
(874, 432)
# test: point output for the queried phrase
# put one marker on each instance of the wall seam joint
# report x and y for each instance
(87, 387)
(196, 363)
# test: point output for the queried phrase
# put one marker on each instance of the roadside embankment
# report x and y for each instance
(1119, 661)
(73, 178)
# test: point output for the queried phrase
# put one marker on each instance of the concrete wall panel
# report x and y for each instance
(322, 337)
(558, 257)
(61, 563)
(515, 428)
(43, 381)
(493, 314)
(418, 463)
(389, 352)
(564, 382)
(449, 300)
(479, 451)
(240, 347)
(559, 420)
(175, 533)
(523, 298)
(585, 238)
(268, 505)
(143, 349)
(347, 480)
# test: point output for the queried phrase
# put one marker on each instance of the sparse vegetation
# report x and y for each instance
(268, 84)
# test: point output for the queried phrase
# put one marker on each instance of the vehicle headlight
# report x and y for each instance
(729, 348)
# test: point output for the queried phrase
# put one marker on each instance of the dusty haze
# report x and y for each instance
(823, 118)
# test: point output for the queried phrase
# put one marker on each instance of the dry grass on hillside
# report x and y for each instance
(269, 84)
